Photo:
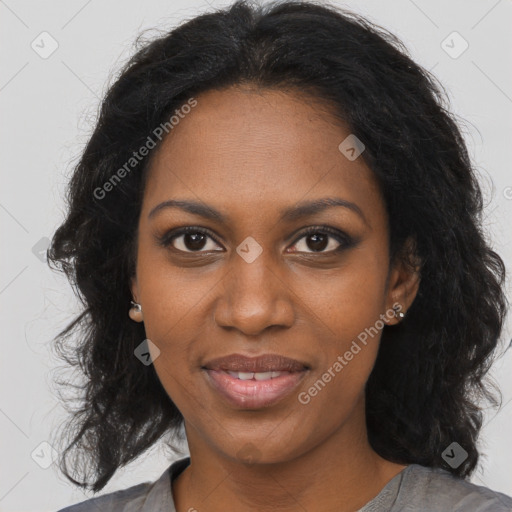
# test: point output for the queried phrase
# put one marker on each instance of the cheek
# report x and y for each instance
(347, 299)
(348, 304)
(173, 298)
(172, 305)
(339, 383)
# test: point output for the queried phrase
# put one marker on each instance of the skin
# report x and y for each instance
(250, 153)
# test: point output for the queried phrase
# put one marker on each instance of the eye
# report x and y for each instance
(319, 238)
(191, 239)
(188, 239)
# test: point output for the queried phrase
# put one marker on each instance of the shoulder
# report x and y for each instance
(124, 500)
(145, 497)
(437, 490)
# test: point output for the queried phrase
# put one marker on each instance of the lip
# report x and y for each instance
(253, 394)
(261, 363)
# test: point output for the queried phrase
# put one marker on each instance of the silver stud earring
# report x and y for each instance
(135, 312)
(398, 313)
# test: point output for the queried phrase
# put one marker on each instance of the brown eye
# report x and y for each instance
(189, 239)
(318, 239)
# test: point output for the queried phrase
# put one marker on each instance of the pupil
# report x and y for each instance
(318, 246)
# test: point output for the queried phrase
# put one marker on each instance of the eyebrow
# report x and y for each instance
(290, 214)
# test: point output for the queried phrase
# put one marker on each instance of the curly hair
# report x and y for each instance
(424, 391)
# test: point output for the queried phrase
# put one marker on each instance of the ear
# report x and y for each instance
(404, 279)
(134, 287)
(135, 312)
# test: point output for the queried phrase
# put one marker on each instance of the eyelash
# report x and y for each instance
(343, 239)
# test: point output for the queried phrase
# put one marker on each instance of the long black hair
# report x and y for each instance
(424, 391)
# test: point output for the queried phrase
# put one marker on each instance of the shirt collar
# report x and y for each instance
(159, 497)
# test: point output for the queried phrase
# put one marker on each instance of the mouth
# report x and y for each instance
(261, 364)
(253, 390)
(254, 383)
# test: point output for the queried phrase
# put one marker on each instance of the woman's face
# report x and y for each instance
(255, 283)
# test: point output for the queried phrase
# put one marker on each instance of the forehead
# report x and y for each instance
(257, 150)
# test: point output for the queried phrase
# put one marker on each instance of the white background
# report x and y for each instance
(47, 110)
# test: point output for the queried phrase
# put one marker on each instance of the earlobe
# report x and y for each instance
(135, 312)
(405, 281)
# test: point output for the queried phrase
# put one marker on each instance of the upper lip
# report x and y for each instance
(262, 363)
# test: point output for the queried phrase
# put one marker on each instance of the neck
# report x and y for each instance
(342, 474)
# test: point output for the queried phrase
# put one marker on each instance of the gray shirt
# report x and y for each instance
(415, 489)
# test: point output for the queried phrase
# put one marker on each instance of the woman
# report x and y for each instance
(274, 230)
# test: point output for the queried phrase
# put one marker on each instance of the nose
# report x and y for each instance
(254, 296)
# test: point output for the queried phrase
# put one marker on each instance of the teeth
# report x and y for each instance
(245, 375)
(263, 375)
(255, 375)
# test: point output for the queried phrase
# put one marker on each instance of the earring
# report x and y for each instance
(135, 312)
(398, 313)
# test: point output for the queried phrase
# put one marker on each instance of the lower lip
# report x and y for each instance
(253, 394)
